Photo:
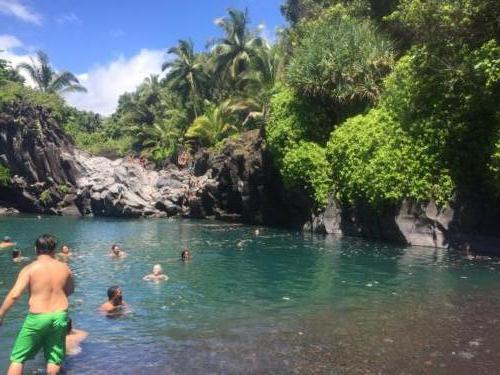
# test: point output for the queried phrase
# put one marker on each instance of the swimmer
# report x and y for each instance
(73, 339)
(157, 274)
(115, 304)
(117, 252)
(65, 253)
(257, 232)
(186, 255)
(17, 256)
(6, 243)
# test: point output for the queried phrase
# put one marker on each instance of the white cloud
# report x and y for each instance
(17, 9)
(68, 18)
(105, 83)
(8, 42)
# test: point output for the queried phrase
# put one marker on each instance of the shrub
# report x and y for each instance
(305, 167)
(375, 161)
(45, 197)
(4, 176)
(293, 118)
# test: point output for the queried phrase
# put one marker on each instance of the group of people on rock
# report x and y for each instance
(49, 281)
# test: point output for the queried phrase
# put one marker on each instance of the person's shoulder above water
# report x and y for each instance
(115, 305)
(6, 243)
(117, 252)
(74, 338)
(157, 274)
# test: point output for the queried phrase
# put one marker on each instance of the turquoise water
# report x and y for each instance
(279, 302)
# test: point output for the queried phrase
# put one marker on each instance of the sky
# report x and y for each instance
(112, 45)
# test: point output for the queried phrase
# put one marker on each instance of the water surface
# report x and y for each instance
(279, 302)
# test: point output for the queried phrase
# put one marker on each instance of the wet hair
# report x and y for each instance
(16, 253)
(45, 244)
(69, 327)
(6, 239)
(185, 254)
(112, 290)
(114, 246)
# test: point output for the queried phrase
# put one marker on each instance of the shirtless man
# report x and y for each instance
(6, 243)
(157, 274)
(116, 252)
(49, 283)
(115, 304)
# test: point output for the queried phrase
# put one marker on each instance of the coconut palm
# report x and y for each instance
(234, 52)
(186, 72)
(47, 79)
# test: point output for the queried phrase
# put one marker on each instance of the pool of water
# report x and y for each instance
(280, 302)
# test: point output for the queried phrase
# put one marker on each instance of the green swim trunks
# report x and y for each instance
(47, 331)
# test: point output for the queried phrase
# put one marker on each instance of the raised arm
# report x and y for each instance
(15, 293)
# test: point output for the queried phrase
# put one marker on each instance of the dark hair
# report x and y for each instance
(46, 244)
(114, 246)
(112, 290)
(16, 253)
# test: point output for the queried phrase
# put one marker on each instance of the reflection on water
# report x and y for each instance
(280, 302)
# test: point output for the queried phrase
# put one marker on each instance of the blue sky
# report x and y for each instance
(112, 45)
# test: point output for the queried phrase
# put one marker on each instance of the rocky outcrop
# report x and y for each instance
(39, 157)
(234, 184)
(463, 224)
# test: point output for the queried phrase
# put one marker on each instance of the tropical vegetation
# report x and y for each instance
(370, 101)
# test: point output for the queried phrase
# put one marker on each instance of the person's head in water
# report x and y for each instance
(16, 254)
(115, 249)
(185, 255)
(157, 270)
(7, 239)
(45, 244)
(115, 295)
(65, 249)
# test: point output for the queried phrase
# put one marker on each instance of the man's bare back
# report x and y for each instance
(50, 283)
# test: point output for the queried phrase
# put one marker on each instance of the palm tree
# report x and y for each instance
(186, 72)
(216, 124)
(234, 52)
(47, 79)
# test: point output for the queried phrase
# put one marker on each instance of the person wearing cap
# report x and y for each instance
(6, 243)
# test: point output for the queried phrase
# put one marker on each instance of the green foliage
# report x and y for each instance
(341, 58)
(295, 131)
(5, 176)
(45, 197)
(305, 167)
(7, 74)
(448, 23)
(293, 118)
(374, 160)
(13, 91)
(216, 124)
(63, 189)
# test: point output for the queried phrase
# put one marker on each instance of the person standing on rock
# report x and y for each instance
(49, 283)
